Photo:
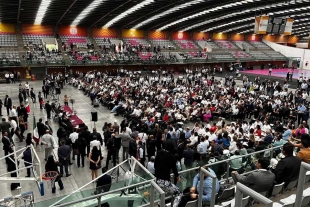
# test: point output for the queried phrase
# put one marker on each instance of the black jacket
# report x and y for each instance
(8, 102)
(287, 169)
(41, 128)
(164, 163)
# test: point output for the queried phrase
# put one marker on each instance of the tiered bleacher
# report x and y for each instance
(260, 45)
(80, 41)
(136, 42)
(241, 43)
(275, 55)
(163, 44)
(8, 57)
(34, 39)
(259, 55)
(84, 57)
(226, 45)
(8, 40)
(221, 57)
(185, 44)
(106, 41)
(240, 55)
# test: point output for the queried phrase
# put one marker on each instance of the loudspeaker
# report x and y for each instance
(94, 116)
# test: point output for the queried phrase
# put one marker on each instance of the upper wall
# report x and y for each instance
(303, 54)
(105, 32)
(37, 29)
(7, 28)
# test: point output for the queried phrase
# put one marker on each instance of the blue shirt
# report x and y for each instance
(207, 186)
(287, 134)
(301, 108)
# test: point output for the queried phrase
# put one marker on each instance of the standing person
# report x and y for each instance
(44, 91)
(41, 128)
(1, 104)
(7, 145)
(22, 125)
(188, 155)
(48, 109)
(81, 147)
(103, 183)
(66, 100)
(12, 77)
(111, 147)
(73, 137)
(48, 141)
(48, 127)
(141, 153)
(7, 77)
(27, 156)
(64, 157)
(8, 104)
(125, 143)
(150, 165)
(51, 165)
(27, 87)
(41, 100)
(5, 127)
(33, 95)
(94, 159)
(270, 71)
(165, 162)
(150, 147)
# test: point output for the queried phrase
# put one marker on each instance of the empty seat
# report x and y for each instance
(192, 203)
(291, 185)
(227, 194)
(277, 189)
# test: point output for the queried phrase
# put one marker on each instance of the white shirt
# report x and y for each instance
(74, 136)
(27, 86)
(48, 140)
(13, 124)
(150, 167)
(13, 112)
(95, 143)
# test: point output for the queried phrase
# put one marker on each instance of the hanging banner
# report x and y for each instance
(288, 26)
(261, 24)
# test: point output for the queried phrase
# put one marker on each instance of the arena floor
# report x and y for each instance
(280, 73)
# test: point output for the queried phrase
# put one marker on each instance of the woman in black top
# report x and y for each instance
(165, 161)
(94, 159)
(51, 165)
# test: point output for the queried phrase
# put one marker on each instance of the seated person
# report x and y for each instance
(207, 186)
(287, 169)
(103, 183)
(304, 153)
(260, 180)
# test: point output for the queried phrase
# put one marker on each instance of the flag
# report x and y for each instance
(35, 131)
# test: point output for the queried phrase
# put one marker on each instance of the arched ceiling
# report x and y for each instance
(171, 15)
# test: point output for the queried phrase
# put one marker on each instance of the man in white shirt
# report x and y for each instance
(48, 141)
(73, 137)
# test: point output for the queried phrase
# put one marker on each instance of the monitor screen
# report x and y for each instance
(275, 29)
(277, 20)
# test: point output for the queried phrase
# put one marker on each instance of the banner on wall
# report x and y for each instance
(73, 30)
(261, 24)
(288, 26)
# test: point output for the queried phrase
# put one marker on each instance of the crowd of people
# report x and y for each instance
(171, 123)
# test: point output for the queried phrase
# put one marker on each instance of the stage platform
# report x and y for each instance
(280, 73)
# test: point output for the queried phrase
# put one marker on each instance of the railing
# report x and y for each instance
(304, 167)
(242, 189)
(201, 177)
(145, 183)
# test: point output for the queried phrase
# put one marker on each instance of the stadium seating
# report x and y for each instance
(9, 57)
(136, 42)
(226, 45)
(105, 41)
(275, 55)
(81, 41)
(35, 39)
(164, 44)
(8, 40)
(185, 44)
(221, 57)
(192, 55)
(260, 45)
(259, 55)
(240, 55)
(241, 43)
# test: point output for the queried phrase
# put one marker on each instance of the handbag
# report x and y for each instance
(76, 152)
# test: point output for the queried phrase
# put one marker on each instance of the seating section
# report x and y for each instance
(240, 55)
(35, 39)
(259, 55)
(9, 57)
(260, 45)
(241, 43)
(43, 57)
(81, 41)
(106, 41)
(192, 55)
(145, 55)
(136, 42)
(275, 55)
(226, 45)
(8, 40)
(222, 57)
(163, 44)
(82, 57)
(185, 44)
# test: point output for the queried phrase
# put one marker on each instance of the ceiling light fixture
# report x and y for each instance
(129, 11)
(41, 11)
(86, 11)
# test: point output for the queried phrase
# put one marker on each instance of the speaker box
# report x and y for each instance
(94, 116)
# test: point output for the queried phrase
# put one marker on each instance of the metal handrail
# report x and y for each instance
(201, 177)
(304, 167)
(240, 189)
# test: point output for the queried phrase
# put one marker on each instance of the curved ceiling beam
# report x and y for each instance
(129, 11)
(42, 11)
(234, 14)
(249, 19)
(208, 11)
(91, 7)
(169, 11)
(110, 12)
(66, 12)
